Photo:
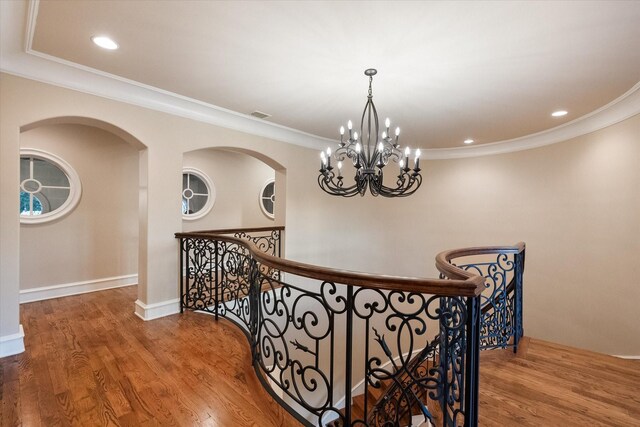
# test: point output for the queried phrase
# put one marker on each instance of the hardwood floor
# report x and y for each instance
(89, 361)
(548, 384)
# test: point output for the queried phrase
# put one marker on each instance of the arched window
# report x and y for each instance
(49, 187)
(198, 194)
(268, 198)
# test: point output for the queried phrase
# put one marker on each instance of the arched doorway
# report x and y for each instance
(240, 181)
(94, 245)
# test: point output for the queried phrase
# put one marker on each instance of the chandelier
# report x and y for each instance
(369, 152)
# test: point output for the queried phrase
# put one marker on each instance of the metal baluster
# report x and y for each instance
(217, 278)
(444, 363)
(349, 357)
(517, 300)
(180, 272)
(472, 363)
(186, 276)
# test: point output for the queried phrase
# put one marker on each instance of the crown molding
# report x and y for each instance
(624, 107)
(17, 58)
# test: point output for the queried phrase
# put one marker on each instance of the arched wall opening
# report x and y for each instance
(97, 244)
(238, 177)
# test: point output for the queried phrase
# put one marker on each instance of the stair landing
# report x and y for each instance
(548, 384)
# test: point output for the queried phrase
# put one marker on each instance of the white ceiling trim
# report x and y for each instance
(17, 58)
(620, 109)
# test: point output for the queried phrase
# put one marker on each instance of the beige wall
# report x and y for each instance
(575, 203)
(238, 179)
(99, 238)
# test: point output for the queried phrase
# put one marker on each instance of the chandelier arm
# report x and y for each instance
(330, 186)
(408, 183)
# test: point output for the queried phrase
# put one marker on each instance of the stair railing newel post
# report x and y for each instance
(217, 278)
(472, 362)
(187, 272)
(517, 298)
(181, 275)
(254, 309)
(444, 362)
(349, 358)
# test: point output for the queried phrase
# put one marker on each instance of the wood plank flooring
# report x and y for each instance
(548, 384)
(89, 361)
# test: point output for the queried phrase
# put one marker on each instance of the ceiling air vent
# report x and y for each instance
(260, 114)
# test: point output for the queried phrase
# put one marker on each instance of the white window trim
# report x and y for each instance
(211, 200)
(74, 192)
(264, 211)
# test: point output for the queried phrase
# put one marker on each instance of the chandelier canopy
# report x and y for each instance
(369, 152)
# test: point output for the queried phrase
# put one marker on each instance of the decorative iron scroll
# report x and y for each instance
(318, 346)
(215, 272)
(501, 302)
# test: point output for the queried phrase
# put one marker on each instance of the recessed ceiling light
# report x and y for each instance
(468, 141)
(559, 113)
(105, 42)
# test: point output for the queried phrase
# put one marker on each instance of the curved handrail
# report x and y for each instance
(469, 286)
(242, 230)
(444, 265)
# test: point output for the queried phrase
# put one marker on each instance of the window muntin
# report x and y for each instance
(198, 194)
(49, 187)
(268, 198)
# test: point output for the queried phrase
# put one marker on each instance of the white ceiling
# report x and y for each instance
(490, 71)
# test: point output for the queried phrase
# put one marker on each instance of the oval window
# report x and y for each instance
(49, 187)
(268, 198)
(198, 194)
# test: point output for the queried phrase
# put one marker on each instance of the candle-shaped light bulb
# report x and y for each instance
(355, 136)
(349, 125)
(407, 151)
(387, 123)
(418, 153)
(340, 167)
(328, 151)
(380, 147)
(341, 130)
(384, 135)
(401, 163)
(323, 157)
(397, 131)
(358, 148)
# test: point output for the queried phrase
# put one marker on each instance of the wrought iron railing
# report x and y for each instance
(501, 301)
(208, 274)
(322, 339)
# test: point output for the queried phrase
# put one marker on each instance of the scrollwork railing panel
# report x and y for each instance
(500, 302)
(349, 349)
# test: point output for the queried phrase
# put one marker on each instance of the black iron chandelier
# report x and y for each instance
(369, 152)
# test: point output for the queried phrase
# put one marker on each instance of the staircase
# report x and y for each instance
(382, 411)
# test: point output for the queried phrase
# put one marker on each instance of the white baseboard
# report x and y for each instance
(12, 344)
(158, 309)
(626, 357)
(76, 288)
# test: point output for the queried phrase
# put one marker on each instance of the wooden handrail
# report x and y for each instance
(239, 230)
(443, 259)
(469, 286)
